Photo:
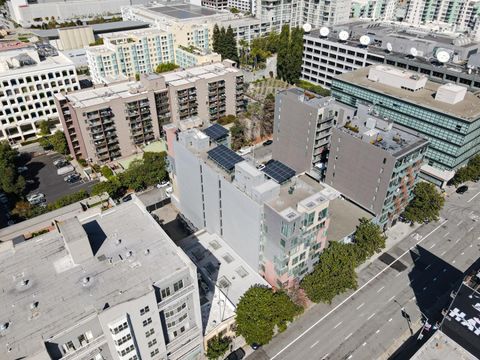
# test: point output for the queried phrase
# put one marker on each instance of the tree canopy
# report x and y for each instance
(164, 67)
(224, 43)
(425, 205)
(261, 310)
(471, 172)
(11, 182)
(217, 347)
(333, 275)
(289, 56)
(369, 240)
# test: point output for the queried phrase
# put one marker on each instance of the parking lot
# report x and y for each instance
(45, 179)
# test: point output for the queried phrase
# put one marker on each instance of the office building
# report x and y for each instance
(447, 115)
(327, 56)
(29, 78)
(130, 53)
(30, 12)
(302, 128)
(275, 221)
(376, 164)
(109, 122)
(99, 285)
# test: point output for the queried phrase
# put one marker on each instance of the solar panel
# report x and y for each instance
(224, 157)
(278, 171)
(216, 132)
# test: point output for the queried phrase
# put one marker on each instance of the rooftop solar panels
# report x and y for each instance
(224, 157)
(278, 171)
(216, 132)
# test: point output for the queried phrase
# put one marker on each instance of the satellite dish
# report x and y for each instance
(324, 31)
(413, 51)
(442, 56)
(389, 47)
(343, 35)
(307, 27)
(365, 40)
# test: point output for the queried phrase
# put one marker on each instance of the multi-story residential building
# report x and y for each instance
(30, 12)
(190, 57)
(302, 128)
(110, 122)
(245, 6)
(129, 53)
(215, 4)
(274, 220)
(376, 164)
(374, 9)
(327, 56)
(447, 115)
(99, 285)
(29, 78)
(246, 29)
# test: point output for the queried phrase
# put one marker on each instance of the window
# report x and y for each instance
(165, 292)
(177, 286)
(149, 333)
(119, 328)
(144, 310)
(147, 321)
(126, 350)
(123, 339)
(151, 343)
(154, 352)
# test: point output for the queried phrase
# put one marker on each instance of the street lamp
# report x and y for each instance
(405, 315)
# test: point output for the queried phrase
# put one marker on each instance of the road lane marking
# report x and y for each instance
(433, 245)
(398, 274)
(346, 337)
(356, 292)
(383, 287)
(371, 316)
(412, 298)
(470, 230)
(389, 320)
(359, 306)
(443, 253)
(376, 332)
(463, 253)
(340, 323)
(315, 343)
(365, 343)
(324, 356)
(350, 357)
(446, 234)
(460, 223)
(393, 297)
(444, 270)
(428, 266)
(425, 288)
(454, 261)
(471, 212)
(474, 196)
(434, 279)
(457, 241)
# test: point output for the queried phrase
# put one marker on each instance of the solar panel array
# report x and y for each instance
(224, 157)
(216, 132)
(278, 171)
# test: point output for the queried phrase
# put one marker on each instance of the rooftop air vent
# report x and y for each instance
(34, 305)
(4, 326)
(86, 280)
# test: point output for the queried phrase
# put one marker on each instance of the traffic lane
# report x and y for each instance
(46, 181)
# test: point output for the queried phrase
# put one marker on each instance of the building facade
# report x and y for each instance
(277, 225)
(324, 57)
(110, 122)
(447, 115)
(376, 164)
(130, 53)
(301, 132)
(29, 78)
(108, 285)
(190, 57)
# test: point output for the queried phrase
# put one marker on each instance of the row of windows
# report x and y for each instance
(178, 321)
(119, 328)
(166, 292)
(123, 339)
(174, 311)
(29, 79)
(126, 350)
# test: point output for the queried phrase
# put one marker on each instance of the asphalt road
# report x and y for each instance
(368, 323)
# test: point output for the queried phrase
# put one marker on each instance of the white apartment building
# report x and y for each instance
(129, 53)
(102, 285)
(374, 9)
(243, 5)
(29, 78)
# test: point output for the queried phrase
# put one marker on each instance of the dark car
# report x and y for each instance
(238, 354)
(127, 198)
(255, 346)
(462, 189)
(268, 142)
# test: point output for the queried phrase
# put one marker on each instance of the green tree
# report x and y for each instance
(68, 199)
(261, 310)
(59, 142)
(45, 126)
(11, 181)
(471, 172)
(333, 275)
(268, 115)
(231, 45)
(425, 205)
(282, 55)
(106, 171)
(45, 143)
(237, 132)
(295, 53)
(164, 67)
(369, 240)
(112, 187)
(216, 38)
(217, 347)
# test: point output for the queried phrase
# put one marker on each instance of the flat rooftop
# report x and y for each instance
(344, 218)
(191, 75)
(307, 97)
(440, 346)
(31, 62)
(182, 11)
(41, 270)
(102, 94)
(468, 109)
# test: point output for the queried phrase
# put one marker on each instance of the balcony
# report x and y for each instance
(88, 350)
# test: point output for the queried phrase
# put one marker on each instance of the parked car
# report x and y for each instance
(261, 167)
(36, 199)
(268, 142)
(163, 184)
(65, 170)
(60, 163)
(238, 354)
(168, 191)
(22, 169)
(244, 151)
(127, 198)
(72, 178)
(255, 346)
(462, 189)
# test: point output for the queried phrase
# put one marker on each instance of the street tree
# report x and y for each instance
(369, 240)
(425, 205)
(45, 126)
(112, 187)
(59, 142)
(11, 181)
(261, 311)
(333, 274)
(217, 347)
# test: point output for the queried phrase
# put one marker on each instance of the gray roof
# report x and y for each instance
(52, 280)
(344, 218)
(183, 11)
